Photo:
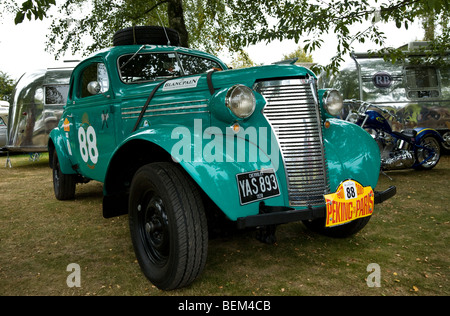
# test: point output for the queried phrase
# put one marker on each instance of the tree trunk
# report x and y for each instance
(176, 20)
(429, 25)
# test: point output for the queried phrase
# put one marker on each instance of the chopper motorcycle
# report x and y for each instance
(418, 148)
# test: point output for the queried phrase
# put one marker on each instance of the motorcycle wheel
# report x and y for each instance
(421, 154)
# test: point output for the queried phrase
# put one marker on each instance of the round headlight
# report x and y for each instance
(332, 102)
(241, 101)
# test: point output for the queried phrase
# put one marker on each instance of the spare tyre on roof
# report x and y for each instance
(139, 35)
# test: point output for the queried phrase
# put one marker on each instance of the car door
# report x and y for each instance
(90, 114)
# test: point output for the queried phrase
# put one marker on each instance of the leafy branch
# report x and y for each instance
(36, 9)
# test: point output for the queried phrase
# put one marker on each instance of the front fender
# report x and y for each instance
(61, 147)
(205, 158)
(351, 154)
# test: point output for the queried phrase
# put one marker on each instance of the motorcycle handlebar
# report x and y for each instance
(364, 106)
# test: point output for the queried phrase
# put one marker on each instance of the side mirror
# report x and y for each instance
(94, 87)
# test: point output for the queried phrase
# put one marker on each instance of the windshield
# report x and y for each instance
(153, 66)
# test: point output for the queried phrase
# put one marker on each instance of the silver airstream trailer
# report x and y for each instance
(37, 104)
(418, 94)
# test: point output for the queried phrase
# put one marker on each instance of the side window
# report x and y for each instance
(102, 77)
(1, 122)
(95, 72)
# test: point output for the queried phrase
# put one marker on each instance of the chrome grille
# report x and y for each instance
(293, 113)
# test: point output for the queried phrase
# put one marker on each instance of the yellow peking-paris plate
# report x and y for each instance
(351, 201)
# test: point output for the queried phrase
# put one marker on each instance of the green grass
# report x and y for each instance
(39, 236)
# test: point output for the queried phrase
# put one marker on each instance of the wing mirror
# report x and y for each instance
(94, 87)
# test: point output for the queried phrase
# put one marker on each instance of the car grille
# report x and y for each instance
(293, 113)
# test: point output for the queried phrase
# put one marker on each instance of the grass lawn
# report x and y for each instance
(407, 237)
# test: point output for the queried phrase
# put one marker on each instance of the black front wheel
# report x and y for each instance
(167, 225)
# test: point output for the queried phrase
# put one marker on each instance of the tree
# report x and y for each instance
(88, 25)
(72, 30)
(6, 86)
(234, 24)
(242, 60)
(311, 21)
(300, 54)
(30, 9)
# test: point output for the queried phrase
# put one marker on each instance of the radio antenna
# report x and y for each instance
(164, 28)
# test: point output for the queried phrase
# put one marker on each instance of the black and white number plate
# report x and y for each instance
(257, 185)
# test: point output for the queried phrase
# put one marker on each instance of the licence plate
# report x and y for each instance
(257, 185)
(351, 201)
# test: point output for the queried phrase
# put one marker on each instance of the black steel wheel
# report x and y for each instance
(153, 228)
(167, 225)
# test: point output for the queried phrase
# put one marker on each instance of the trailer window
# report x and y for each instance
(56, 95)
(445, 82)
(422, 82)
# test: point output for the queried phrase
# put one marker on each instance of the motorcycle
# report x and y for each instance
(418, 148)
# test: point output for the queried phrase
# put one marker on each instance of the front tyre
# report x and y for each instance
(63, 184)
(167, 225)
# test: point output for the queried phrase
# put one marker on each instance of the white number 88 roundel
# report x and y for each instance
(88, 144)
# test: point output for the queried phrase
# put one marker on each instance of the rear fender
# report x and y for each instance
(422, 132)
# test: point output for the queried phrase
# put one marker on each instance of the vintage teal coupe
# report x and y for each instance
(181, 142)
